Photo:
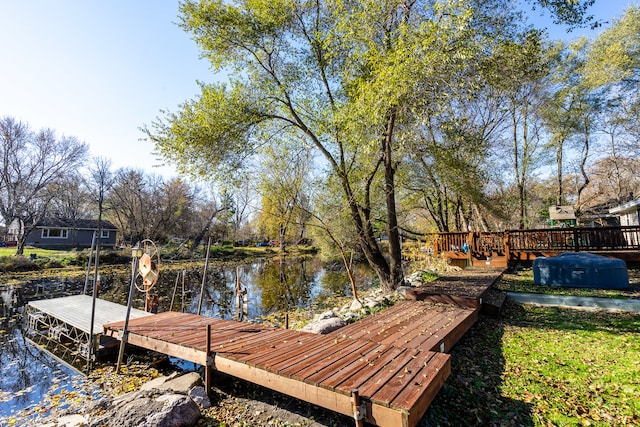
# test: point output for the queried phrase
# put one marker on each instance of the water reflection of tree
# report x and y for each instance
(218, 295)
(336, 282)
(285, 285)
(333, 283)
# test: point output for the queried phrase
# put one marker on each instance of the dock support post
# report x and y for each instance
(204, 276)
(208, 369)
(359, 411)
(136, 253)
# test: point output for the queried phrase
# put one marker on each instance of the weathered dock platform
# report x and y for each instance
(385, 369)
(394, 384)
(69, 319)
(414, 324)
(467, 288)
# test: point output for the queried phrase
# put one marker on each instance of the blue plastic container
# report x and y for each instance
(581, 270)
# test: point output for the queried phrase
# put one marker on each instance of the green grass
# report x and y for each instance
(544, 366)
(40, 253)
(44, 258)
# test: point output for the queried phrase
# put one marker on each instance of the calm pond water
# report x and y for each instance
(28, 374)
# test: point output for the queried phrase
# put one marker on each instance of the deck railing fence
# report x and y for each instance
(556, 240)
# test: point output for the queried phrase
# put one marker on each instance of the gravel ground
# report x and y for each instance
(240, 404)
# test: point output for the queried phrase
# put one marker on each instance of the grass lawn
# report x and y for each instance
(40, 253)
(44, 258)
(544, 366)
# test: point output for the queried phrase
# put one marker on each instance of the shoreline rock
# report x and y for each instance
(167, 401)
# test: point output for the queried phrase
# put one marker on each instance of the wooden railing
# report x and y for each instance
(591, 239)
(449, 242)
(550, 240)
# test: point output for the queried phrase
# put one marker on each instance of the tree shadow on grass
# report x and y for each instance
(570, 319)
(471, 395)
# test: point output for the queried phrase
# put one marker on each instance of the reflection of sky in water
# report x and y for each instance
(26, 373)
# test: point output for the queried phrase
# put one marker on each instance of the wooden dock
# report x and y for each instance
(395, 384)
(385, 369)
(69, 319)
(423, 325)
(467, 288)
(392, 363)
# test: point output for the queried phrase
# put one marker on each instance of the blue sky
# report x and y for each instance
(99, 70)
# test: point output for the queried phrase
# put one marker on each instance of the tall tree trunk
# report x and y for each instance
(583, 163)
(366, 239)
(395, 248)
(20, 243)
(560, 189)
(522, 196)
(282, 231)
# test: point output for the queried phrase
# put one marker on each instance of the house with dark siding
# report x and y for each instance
(64, 233)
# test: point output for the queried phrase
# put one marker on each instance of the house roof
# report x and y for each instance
(561, 212)
(626, 207)
(78, 224)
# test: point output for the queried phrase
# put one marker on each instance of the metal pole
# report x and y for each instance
(204, 276)
(184, 277)
(93, 307)
(175, 289)
(125, 332)
(86, 279)
(238, 295)
(208, 370)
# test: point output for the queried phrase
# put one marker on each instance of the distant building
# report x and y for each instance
(64, 233)
(629, 212)
(599, 215)
(562, 216)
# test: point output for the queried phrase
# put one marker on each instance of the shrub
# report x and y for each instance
(18, 263)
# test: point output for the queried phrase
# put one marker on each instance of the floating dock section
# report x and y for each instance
(66, 321)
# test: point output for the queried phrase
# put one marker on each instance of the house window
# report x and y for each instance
(54, 233)
(104, 234)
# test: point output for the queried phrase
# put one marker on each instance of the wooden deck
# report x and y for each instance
(508, 248)
(393, 363)
(467, 288)
(395, 378)
(421, 325)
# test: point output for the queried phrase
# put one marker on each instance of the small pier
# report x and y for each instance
(385, 369)
(66, 320)
(382, 384)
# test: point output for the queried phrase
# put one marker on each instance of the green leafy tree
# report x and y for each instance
(565, 91)
(282, 188)
(340, 74)
(334, 73)
(613, 65)
(521, 69)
